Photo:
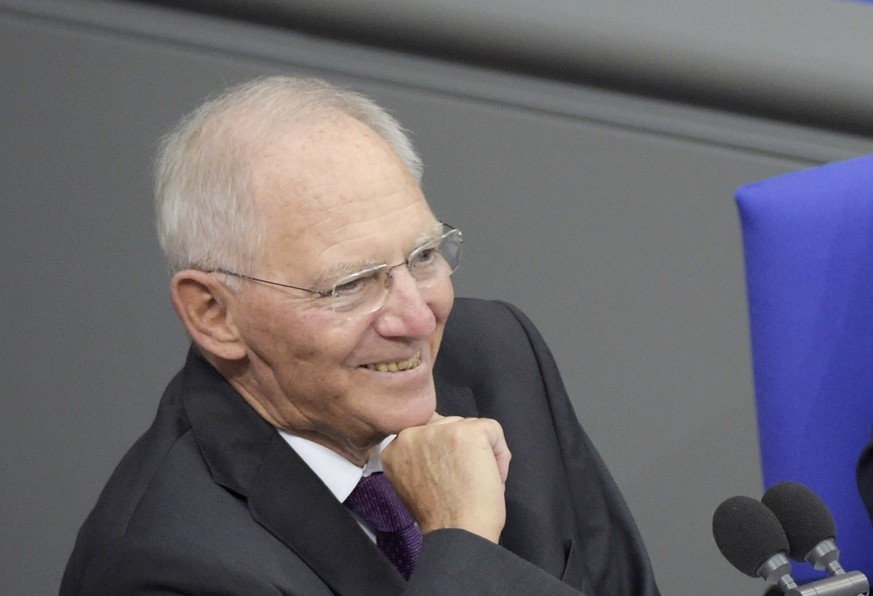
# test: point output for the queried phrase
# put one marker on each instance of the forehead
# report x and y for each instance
(332, 187)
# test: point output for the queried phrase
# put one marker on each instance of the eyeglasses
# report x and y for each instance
(365, 292)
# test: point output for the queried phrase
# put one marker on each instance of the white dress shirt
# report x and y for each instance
(339, 474)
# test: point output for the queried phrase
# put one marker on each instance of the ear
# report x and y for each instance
(201, 302)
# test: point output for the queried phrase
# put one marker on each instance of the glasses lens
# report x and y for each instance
(365, 292)
(437, 259)
(361, 292)
(451, 249)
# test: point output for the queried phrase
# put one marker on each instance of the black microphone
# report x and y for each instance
(811, 533)
(808, 524)
(751, 538)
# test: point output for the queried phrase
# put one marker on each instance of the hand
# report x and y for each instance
(451, 473)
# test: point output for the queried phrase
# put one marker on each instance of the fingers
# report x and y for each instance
(499, 448)
(451, 473)
(494, 433)
(439, 419)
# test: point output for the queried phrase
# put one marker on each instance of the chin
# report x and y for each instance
(416, 412)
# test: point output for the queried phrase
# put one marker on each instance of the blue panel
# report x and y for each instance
(808, 239)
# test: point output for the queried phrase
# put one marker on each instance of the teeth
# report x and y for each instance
(397, 366)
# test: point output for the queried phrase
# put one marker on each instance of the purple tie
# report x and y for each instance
(396, 533)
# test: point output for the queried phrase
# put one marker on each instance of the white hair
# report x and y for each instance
(206, 218)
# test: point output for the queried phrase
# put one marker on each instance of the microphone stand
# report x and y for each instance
(853, 583)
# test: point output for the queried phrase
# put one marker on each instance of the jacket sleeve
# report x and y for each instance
(459, 563)
(615, 556)
(565, 514)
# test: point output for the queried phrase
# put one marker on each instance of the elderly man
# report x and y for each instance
(314, 281)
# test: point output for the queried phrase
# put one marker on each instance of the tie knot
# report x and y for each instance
(376, 502)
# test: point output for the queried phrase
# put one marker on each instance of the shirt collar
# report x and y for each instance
(337, 473)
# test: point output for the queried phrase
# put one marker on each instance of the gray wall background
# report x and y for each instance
(592, 173)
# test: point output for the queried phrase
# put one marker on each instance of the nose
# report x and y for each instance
(406, 312)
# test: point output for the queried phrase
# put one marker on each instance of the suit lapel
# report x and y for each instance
(248, 456)
(290, 501)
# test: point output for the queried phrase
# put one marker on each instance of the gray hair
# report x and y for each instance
(206, 218)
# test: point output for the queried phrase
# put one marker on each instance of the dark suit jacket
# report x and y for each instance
(864, 477)
(211, 500)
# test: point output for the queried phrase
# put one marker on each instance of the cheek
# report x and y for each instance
(315, 349)
(283, 339)
(442, 303)
(311, 376)
(441, 307)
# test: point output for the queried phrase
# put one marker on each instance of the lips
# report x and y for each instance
(397, 366)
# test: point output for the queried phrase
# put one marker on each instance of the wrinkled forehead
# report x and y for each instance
(335, 183)
(332, 163)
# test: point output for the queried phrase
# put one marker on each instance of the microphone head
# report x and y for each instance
(806, 519)
(747, 533)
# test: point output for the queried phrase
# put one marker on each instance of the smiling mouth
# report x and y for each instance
(402, 365)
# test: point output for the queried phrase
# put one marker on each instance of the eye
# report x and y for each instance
(348, 288)
(355, 285)
(426, 257)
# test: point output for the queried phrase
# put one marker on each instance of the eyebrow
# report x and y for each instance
(329, 276)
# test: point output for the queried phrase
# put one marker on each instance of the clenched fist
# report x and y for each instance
(450, 473)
